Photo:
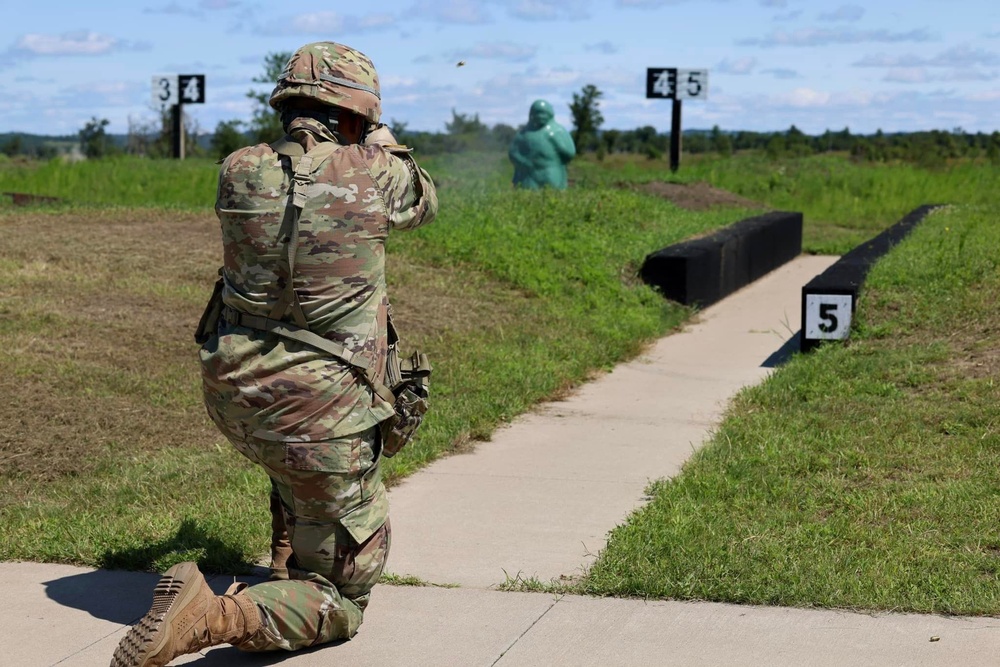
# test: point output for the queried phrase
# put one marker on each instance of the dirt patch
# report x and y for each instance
(698, 196)
(977, 352)
(973, 342)
(97, 359)
(97, 310)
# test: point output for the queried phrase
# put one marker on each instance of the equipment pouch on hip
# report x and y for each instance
(209, 322)
(409, 381)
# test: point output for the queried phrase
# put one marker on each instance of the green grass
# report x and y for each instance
(572, 258)
(844, 203)
(123, 181)
(860, 476)
(864, 475)
(541, 291)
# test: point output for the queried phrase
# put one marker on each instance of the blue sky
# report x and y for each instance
(890, 64)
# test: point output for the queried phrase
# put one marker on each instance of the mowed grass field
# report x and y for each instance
(819, 486)
(864, 475)
(107, 456)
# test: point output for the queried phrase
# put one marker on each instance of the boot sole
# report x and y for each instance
(147, 637)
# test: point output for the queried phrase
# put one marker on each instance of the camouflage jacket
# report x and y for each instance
(259, 385)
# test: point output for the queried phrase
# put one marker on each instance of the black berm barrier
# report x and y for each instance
(702, 271)
(830, 299)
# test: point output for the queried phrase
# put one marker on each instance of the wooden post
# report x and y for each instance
(675, 137)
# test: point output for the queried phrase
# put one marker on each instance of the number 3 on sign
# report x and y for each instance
(828, 316)
(164, 91)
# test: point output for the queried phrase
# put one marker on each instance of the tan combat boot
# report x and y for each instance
(186, 617)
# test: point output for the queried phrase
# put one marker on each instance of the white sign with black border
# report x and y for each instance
(828, 316)
(165, 90)
(172, 89)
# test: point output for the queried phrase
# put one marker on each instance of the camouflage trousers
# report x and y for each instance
(336, 513)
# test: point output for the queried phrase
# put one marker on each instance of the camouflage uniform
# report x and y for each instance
(308, 419)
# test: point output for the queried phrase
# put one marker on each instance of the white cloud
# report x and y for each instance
(102, 95)
(907, 75)
(552, 78)
(451, 11)
(788, 16)
(739, 66)
(496, 51)
(106, 87)
(549, 10)
(647, 4)
(965, 56)
(605, 47)
(173, 8)
(781, 73)
(373, 21)
(177, 9)
(985, 96)
(958, 57)
(957, 64)
(807, 37)
(781, 4)
(317, 22)
(394, 81)
(326, 23)
(859, 98)
(79, 43)
(844, 13)
(804, 97)
(923, 75)
(883, 60)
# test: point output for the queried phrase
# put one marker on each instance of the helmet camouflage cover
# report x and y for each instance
(333, 74)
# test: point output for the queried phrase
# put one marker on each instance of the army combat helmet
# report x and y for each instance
(333, 74)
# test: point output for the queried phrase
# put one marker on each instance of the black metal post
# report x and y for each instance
(178, 131)
(675, 137)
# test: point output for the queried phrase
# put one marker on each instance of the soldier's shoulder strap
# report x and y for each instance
(287, 146)
(292, 149)
(304, 165)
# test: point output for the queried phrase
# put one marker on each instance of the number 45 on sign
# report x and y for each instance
(677, 84)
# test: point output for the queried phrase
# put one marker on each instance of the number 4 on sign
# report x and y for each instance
(192, 88)
(192, 91)
(663, 84)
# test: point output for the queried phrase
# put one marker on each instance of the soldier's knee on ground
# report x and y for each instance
(352, 567)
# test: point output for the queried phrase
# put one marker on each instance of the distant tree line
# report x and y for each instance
(929, 148)
(466, 132)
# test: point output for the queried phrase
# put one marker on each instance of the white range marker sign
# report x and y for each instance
(828, 316)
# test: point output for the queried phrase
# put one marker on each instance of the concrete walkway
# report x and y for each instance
(537, 502)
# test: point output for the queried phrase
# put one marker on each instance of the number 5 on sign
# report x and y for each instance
(828, 316)
(692, 84)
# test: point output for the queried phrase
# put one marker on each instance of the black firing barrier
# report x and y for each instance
(705, 270)
(830, 299)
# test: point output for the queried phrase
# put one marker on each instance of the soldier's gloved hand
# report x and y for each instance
(380, 136)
